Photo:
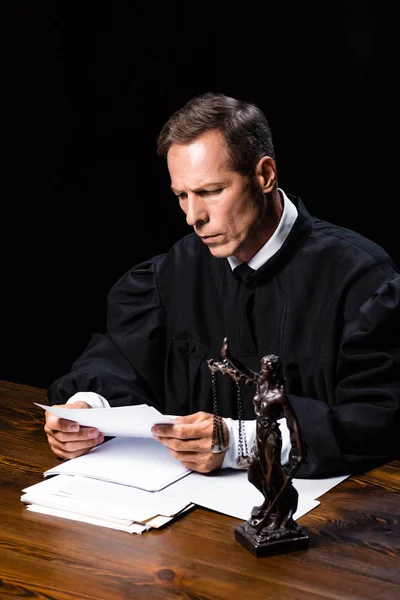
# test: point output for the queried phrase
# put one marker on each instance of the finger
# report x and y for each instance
(184, 431)
(199, 445)
(83, 433)
(59, 424)
(72, 449)
(202, 463)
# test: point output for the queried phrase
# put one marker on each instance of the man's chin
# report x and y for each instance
(218, 248)
(219, 251)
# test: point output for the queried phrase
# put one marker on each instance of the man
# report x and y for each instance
(322, 298)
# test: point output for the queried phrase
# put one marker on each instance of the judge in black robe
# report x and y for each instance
(327, 303)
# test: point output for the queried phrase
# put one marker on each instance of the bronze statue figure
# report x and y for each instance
(271, 528)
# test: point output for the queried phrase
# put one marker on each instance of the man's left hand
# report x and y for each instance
(189, 441)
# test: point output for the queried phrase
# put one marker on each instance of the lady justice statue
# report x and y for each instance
(271, 528)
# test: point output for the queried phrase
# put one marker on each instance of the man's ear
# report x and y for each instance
(266, 174)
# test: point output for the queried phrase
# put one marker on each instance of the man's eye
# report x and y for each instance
(212, 192)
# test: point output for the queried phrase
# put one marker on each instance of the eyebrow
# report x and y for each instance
(214, 185)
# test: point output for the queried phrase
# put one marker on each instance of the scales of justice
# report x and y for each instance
(270, 529)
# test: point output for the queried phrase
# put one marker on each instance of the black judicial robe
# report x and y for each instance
(327, 303)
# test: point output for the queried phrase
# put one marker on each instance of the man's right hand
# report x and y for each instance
(67, 439)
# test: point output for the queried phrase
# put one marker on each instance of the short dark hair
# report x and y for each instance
(243, 125)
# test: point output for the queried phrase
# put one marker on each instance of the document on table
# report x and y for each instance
(229, 491)
(138, 462)
(129, 421)
(135, 460)
(118, 484)
(102, 522)
(102, 498)
(102, 503)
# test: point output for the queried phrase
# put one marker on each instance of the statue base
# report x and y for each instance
(270, 543)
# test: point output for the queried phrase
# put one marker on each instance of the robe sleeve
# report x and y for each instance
(125, 364)
(363, 428)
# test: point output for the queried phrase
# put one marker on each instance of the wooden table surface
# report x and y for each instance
(353, 553)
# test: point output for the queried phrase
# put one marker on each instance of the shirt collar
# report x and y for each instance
(275, 242)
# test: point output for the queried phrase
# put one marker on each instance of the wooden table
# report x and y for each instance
(354, 539)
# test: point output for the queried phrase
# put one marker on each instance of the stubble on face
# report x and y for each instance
(251, 216)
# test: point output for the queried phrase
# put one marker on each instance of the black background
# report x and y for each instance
(89, 87)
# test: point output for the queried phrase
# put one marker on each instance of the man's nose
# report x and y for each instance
(196, 212)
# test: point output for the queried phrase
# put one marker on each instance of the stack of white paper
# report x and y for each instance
(103, 503)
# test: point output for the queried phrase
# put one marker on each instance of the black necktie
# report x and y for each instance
(245, 306)
(244, 273)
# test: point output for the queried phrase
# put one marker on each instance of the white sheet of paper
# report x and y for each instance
(123, 496)
(228, 491)
(133, 528)
(76, 506)
(161, 520)
(130, 421)
(49, 486)
(315, 488)
(138, 462)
